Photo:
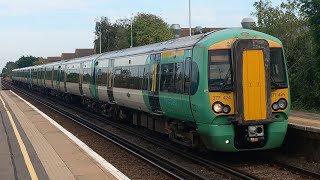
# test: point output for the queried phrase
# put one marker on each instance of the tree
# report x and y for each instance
(149, 28)
(26, 61)
(7, 70)
(113, 36)
(284, 22)
(103, 26)
(39, 61)
(312, 10)
(290, 24)
(123, 34)
(23, 61)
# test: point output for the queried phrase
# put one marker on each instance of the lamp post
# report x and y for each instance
(100, 39)
(131, 45)
(189, 17)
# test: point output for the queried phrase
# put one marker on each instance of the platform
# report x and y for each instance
(33, 146)
(305, 121)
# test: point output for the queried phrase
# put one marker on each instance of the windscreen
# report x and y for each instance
(277, 69)
(220, 75)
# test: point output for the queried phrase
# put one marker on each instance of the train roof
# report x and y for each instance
(188, 41)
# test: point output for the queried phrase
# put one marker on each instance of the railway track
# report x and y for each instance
(297, 169)
(169, 167)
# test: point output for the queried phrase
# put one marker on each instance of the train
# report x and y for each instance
(225, 90)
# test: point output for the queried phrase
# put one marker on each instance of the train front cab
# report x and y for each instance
(248, 94)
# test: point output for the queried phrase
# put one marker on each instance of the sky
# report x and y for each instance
(45, 28)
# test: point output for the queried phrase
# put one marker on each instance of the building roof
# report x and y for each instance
(54, 58)
(42, 60)
(65, 56)
(83, 52)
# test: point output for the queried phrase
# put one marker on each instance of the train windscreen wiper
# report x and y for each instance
(225, 80)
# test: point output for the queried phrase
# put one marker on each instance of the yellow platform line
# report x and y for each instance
(23, 148)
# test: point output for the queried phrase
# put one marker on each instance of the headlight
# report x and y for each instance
(256, 131)
(275, 106)
(226, 109)
(217, 107)
(282, 103)
(252, 130)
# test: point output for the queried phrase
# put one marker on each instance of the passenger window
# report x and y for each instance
(158, 58)
(86, 76)
(145, 77)
(134, 80)
(125, 75)
(141, 77)
(194, 79)
(117, 77)
(48, 74)
(152, 59)
(102, 77)
(62, 75)
(55, 75)
(187, 75)
(179, 77)
(73, 75)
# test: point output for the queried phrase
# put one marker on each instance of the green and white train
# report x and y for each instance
(226, 90)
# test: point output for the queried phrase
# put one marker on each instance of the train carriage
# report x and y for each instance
(227, 90)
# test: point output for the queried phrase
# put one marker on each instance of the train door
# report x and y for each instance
(93, 85)
(81, 78)
(52, 77)
(65, 78)
(29, 79)
(60, 79)
(153, 89)
(110, 80)
(63, 85)
(44, 76)
(39, 76)
(185, 97)
(57, 72)
(36, 76)
(251, 59)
